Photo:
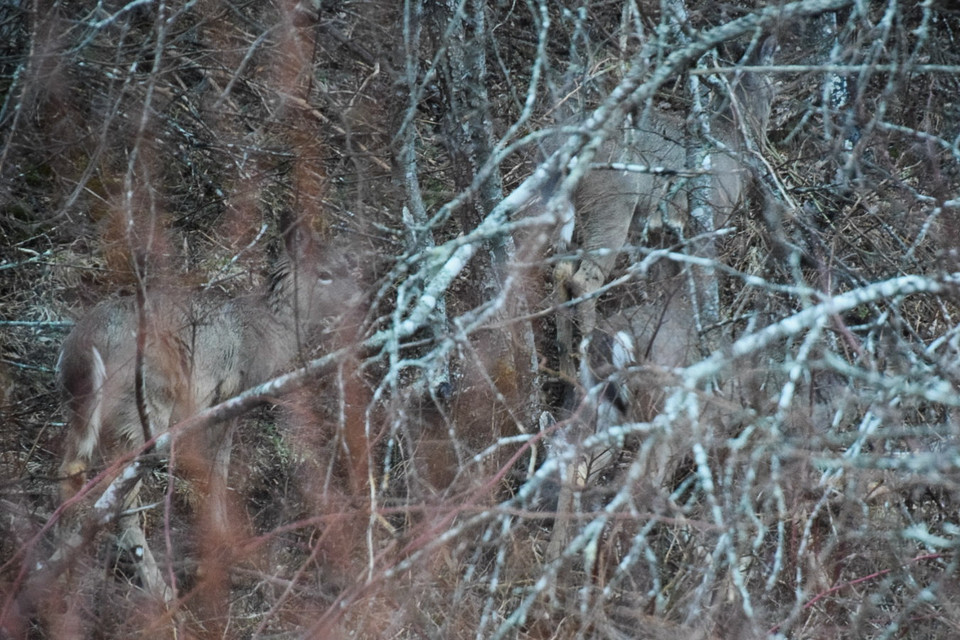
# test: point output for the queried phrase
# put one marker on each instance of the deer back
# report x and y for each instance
(199, 349)
(610, 203)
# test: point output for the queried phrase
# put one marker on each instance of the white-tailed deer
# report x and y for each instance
(613, 205)
(610, 206)
(197, 349)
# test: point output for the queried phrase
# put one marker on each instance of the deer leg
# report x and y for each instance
(215, 525)
(218, 510)
(133, 541)
(561, 293)
(570, 479)
(586, 281)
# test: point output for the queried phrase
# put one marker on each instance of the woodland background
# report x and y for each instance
(420, 140)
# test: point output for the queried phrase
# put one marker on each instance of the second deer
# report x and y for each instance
(612, 205)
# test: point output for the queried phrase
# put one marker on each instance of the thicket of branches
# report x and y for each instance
(792, 473)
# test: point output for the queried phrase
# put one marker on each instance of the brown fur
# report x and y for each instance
(612, 205)
(198, 350)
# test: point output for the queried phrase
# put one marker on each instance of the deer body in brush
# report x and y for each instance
(198, 349)
(612, 205)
